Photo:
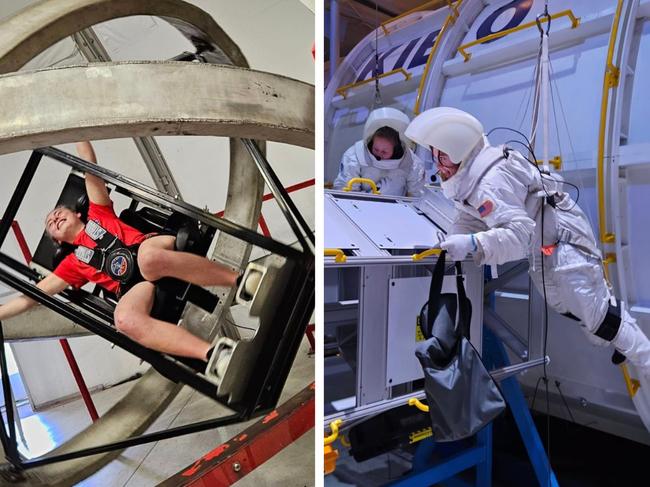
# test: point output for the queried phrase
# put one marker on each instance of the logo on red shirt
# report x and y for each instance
(119, 266)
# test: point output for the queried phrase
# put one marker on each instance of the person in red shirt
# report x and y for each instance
(156, 258)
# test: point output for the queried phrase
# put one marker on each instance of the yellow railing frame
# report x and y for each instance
(451, 18)
(420, 435)
(424, 6)
(575, 21)
(343, 90)
(334, 426)
(369, 182)
(631, 384)
(556, 162)
(610, 80)
(426, 253)
(416, 402)
(338, 255)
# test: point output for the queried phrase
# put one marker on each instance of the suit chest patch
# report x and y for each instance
(486, 208)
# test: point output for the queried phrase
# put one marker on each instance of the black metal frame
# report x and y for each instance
(294, 309)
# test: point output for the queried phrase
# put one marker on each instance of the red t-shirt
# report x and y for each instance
(77, 273)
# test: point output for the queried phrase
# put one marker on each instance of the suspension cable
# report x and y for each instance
(377, 102)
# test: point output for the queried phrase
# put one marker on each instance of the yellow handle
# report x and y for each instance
(556, 162)
(631, 384)
(334, 426)
(369, 182)
(343, 90)
(338, 255)
(416, 402)
(426, 253)
(575, 21)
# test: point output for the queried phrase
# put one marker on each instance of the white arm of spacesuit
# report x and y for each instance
(348, 169)
(466, 224)
(510, 228)
(415, 179)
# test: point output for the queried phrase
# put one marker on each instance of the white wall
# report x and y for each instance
(275, 36)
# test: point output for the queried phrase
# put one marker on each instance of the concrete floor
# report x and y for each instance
(147, 465)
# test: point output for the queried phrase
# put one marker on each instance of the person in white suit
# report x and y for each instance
(507, 209)
(384, 156)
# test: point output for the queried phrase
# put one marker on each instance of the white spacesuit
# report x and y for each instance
(395, 177)
(501, 200)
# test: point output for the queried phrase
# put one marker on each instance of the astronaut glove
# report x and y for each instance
(458, 246)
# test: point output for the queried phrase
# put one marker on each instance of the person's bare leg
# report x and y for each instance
(132, 318)
(157, 258)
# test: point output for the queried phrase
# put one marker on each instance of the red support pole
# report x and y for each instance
(240, 455)
(72, 362)
(292, 188)
(81, 384)
(22, 242)
(264, 226)
(310, 336)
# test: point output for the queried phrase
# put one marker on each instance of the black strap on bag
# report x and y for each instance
(441, 308)
(461, 395)
(464, 305)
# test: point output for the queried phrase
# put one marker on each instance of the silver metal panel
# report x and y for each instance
(371, 356)
(474, 290)
(391, 225)
(405, 300)
(339, 232)
(224, 101)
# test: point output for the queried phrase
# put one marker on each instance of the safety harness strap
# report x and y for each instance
(110, 255)
(608, 329)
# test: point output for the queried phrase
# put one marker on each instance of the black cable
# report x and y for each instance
(245, 327)
(548, 178)
(532, 405)
(548, 417)
(557, 384)
(542, 175)
(378, 101)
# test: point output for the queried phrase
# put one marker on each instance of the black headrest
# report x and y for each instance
(60, 252)
(81, 206)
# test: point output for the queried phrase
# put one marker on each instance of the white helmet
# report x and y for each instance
(450, 130)
(386, 117)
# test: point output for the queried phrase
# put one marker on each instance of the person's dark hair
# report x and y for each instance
(48, 214)
(391, 135)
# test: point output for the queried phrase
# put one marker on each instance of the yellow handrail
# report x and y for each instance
(416, 402)
(575, 21)
(433, 3)
(631, 384)
(556, 162)
(369, 182)
(343, 90)
(426, 253)
(610, 258)
(451, 18)
(610, 80)
(334, 426)
(338, 255)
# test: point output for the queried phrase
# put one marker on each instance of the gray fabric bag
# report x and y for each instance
(461, 394)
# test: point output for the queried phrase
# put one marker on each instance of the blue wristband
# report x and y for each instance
(474, 243)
